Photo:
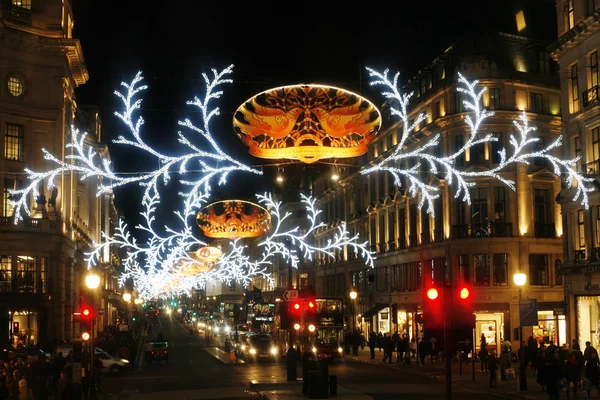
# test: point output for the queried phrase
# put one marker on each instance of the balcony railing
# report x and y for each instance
(580, 255)
(425, 238)
(494, 229)
(438, 235)
(545, 231)
(501, 229)
(11, 11)
(392, 246)
(593, 168)
(590, 96)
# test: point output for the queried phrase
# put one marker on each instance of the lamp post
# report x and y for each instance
(353, 296)
(92, 281)
(520, 279)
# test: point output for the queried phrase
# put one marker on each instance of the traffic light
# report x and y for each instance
(310, 315)
(433, 312)
(85, 318)
(294, 314)
(462, 322)
(15, 327)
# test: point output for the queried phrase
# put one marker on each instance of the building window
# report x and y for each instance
(542, 214)
(558, 279)
(494, 98)
(437, 110)
(458, 144)
(538, 269)
(7, 208)
(581, 228)
(479, 209)
(477, 152)
(15, 86)
(44, 274)
(481, 264)
(500, 269)
(594, 68)
(13, 142)
(571, 14)
(574, 89)
(391, 228)
(595, 151)
(591, 7)
(464, 272)
(499, 204)
(5, 274)
(22, 3)
(577, 146)
(459, 209)
(496, 148)
(536, 103)
(544, 60)
(458, 102)
(26, 274)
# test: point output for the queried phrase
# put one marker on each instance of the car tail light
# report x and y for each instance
(165, 352)
(153, 353)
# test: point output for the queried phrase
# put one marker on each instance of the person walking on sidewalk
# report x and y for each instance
(572, 374)
(388, 348)
(493, 367)
(483, 358)
(422, 351)
(372, 343)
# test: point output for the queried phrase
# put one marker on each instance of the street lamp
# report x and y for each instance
(92, 281)
(520, 279)
(353, 296)
(127, 297)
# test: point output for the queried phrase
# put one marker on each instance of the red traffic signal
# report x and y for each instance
(86, 312)
(16, 327)
(464, 293)
(432, 293)
(296, 306)
(311, 304)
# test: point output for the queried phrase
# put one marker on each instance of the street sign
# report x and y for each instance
(528, 312)
(101, 311)
(290, 295)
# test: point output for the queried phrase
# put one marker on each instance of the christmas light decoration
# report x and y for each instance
(307, 123)
(161, 265)
(423, 159)
(233, 219)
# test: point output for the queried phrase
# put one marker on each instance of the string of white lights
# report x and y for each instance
(157, 265)
(420, 154)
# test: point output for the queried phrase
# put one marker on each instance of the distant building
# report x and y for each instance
(41, 259)
(483, 244)
(576, 51)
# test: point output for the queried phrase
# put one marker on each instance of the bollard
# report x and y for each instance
(333, 385)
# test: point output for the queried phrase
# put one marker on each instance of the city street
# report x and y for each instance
(199, 372)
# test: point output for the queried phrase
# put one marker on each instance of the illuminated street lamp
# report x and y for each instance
(127, 297)
(520, 279)
(92, 281)
(353, 296)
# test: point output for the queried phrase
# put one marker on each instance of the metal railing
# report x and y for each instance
(590, 96)
(15, 12)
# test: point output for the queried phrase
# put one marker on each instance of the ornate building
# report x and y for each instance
(501, 233)
(41, 258)
(576, 51)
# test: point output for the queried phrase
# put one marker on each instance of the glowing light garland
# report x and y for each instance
(157, 266)
(429, 193)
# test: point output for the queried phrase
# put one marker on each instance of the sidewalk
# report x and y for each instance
(464, 381)
(293, 390)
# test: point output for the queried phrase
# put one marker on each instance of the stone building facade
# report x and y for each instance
(576, 51)
(41, 258)
(500, 233)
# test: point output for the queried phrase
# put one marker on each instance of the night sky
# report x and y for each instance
(270, 44)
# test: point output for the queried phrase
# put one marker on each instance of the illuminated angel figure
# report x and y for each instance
(422, 158)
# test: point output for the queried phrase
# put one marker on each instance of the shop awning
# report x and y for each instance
(374, 310)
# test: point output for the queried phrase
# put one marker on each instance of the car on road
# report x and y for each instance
(258, 347)
(111, 364)
(159, 352)
(331, 351)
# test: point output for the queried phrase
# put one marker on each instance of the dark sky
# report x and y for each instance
(270, 43)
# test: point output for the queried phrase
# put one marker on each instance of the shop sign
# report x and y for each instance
(483, 298)
(528, 312)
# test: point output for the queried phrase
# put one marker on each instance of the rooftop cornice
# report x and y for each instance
(579, 33)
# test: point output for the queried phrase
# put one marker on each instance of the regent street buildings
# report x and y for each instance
(576, 51)
(500, 233)
(41, 258)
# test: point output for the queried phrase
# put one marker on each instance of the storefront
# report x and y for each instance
(552, 327)
(407, 323)
(587, 310)
(491, 326)
(24, 328)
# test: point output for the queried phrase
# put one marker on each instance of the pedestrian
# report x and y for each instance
(592, 373)
(492, 367)
(356, 340)
(553, 377)
(64, 387)
(572, 373)
(372, 343)
(483, 359)
(387, 345)
(422, 350)
(532, 347)
(541, 370)
(380, 341)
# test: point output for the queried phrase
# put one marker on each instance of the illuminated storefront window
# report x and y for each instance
(491, 325)
(384, 320)
(588, 320)
(551, 328)
(23, 327)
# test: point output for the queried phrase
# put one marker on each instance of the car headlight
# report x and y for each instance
(273, 350)
(340, 350)
(124, 360)
(314, 349)
(252, 351)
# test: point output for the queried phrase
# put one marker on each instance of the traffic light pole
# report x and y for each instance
(448, 355)
(92, 391)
